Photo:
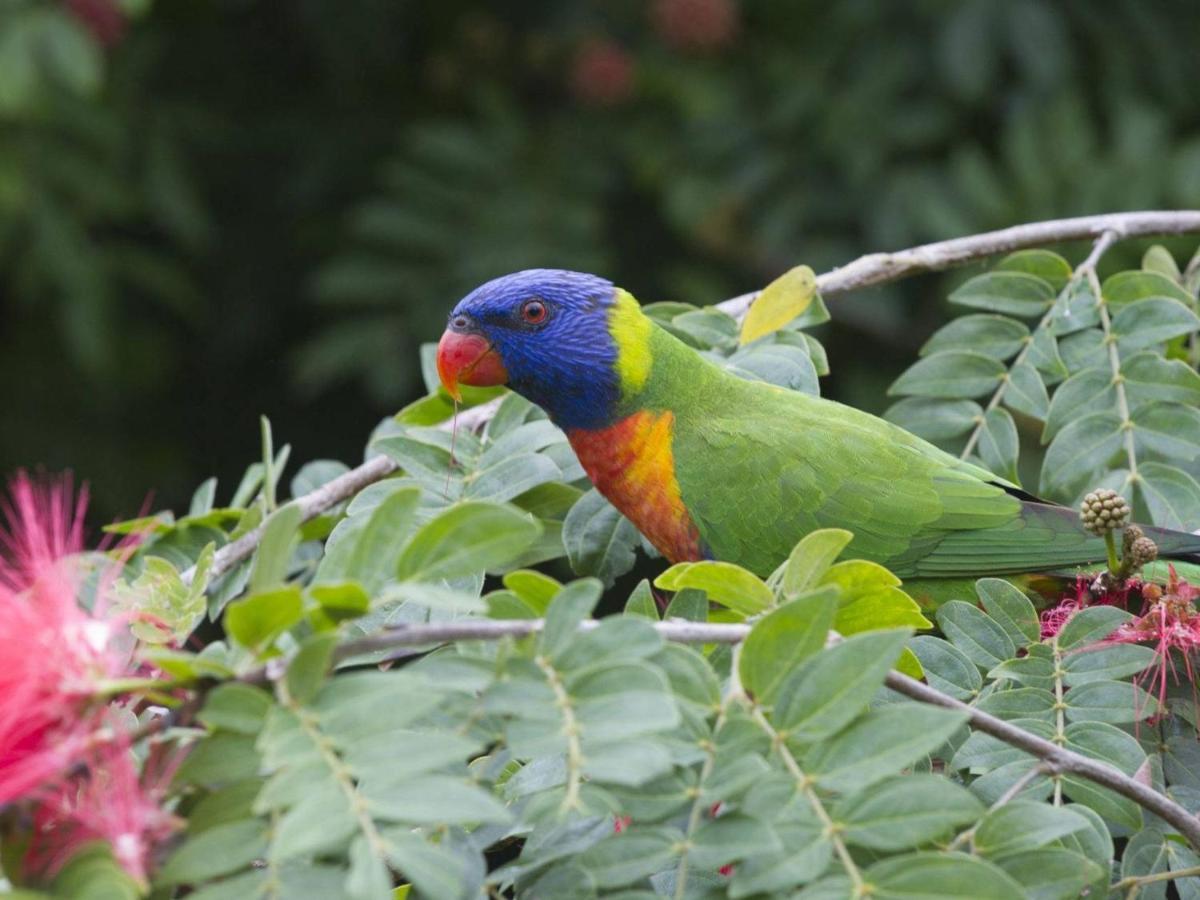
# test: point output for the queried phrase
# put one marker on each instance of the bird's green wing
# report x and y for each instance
(762, 467)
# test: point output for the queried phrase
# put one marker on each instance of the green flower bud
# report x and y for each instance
(1103, 510)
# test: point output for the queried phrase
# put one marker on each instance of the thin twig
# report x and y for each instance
(880, 268)
(1139, 880)
(1059, 760)
(1055, 759)
(873, 269)
(1088, 266)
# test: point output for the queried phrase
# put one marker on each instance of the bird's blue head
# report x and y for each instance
(547, 334)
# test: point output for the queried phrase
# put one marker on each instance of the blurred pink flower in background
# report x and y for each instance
(60, 746)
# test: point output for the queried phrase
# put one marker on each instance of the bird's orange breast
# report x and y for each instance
(632, 464)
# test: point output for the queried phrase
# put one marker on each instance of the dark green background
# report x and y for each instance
(211, 210)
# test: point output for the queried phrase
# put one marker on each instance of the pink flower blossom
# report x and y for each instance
(106, 801)
(1169, 622)
(60, 749)
(54, 652)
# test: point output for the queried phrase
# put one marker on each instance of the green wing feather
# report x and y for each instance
(759, 467)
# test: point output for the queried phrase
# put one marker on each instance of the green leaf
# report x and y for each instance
(951, 374)
(996, 336)
(641, 602)
(1026, 392)
(369, 876)
(319, 822)
(511, 477)
(1146, 323)
(1025, 825)
(689, 604)
(786, 298)
(935, 419)
(218, 851)
(467, 538)
(1150, 378)
(236, 707)
(432, 869)
(1011, 609)
(981, 752)
(830, 691)
(275, 548)
(784, 638)
(1051, 872)
(1115, 702)
(307, 670)
(947, 668)
(534, 588)
(1168, 430)
(1106, 663)
(905, 811)
(1089, 390)
(372, 561)
(1120, 750)
(1082, 448)
(998, 444)
(810, 559)
(1086, 626)
(1012, 293)
(1034, 671)
(570, 607)
(598, 539)
(933, 876)
(434, 800)
(1044, 356)
(730, 837)
(1171, 495)
(342, 601)
(632, 855)
(256, 621)
(1045, 264)
(727, 584)
(881, 744)
(975, 633)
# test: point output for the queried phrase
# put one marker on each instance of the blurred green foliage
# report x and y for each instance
(214, 209)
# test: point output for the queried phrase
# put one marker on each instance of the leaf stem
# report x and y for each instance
(1118, 380)
(804, 785)
(733, 693)
(1140, 880)
(570, 730)
(1060, 712)
(341, 773)
(1085, 268)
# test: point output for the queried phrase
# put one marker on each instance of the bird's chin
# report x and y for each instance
(468, 359)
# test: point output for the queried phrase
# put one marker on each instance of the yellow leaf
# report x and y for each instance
(781, 301)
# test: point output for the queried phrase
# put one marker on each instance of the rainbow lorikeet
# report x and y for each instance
(708, 465)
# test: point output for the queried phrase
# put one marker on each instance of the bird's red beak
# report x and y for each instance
(468, 359)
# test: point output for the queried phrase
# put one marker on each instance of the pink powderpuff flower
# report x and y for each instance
(1169, 623)
(106, 801)
(54, 652)
(59, 747)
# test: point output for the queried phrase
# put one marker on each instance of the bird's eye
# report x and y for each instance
(533, 312)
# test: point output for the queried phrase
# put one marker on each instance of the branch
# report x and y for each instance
(881, 268)
(1056, 760)
(873, 269)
